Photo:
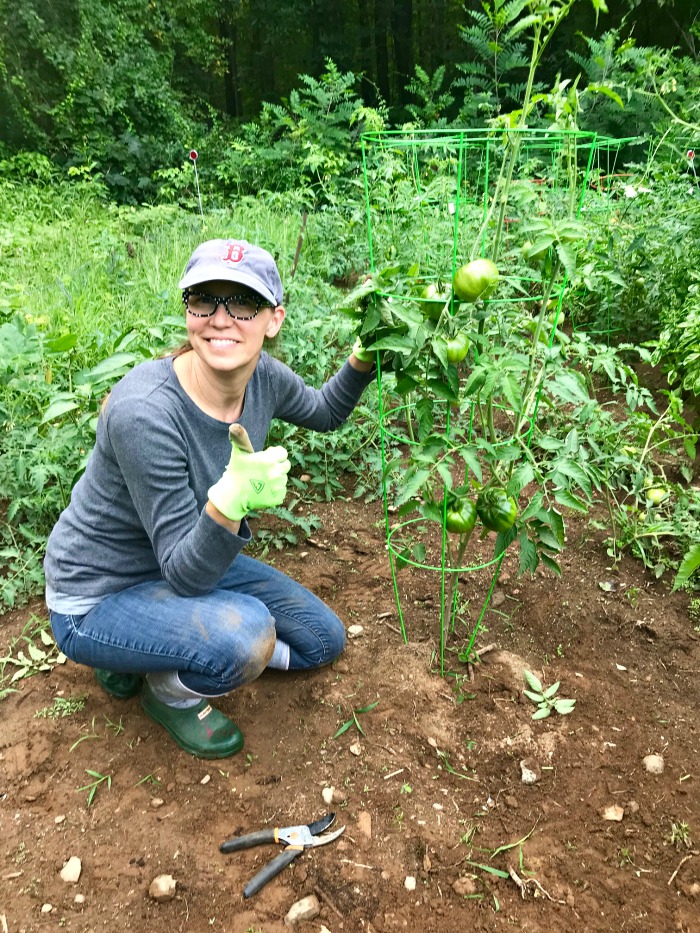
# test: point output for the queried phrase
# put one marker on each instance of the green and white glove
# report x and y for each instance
(364, 356)
(251, 480)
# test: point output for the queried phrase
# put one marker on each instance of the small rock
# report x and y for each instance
(70, 873)
(306, 909)
(364, 823)
(304, 554)
(654, 764)
(79, 899)
(614, 813)
(324, 929)
(410, 883)
(427, 863)
(356, 749)
(339, 796)
(206, 779)
(327, 794)
(432, 743)
(530, 770)
(511, 802)
(157, 802)
(463, 887)
(570, 900)
(354, 631)
(59, 819)
(46, 908)
(163, 888)
(342, 667)
(633, 807)
(305, 478)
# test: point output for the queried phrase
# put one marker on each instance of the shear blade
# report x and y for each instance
(321, 825)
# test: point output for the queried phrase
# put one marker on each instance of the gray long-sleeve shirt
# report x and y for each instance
(137, 513)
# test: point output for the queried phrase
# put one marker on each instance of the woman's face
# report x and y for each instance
(226, 344)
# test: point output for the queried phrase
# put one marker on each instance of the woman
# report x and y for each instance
(145, 579)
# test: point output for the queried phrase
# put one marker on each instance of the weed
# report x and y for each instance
(399, 816)
(91, 788)
(354, 721)
(625, 856)
(694, 613)
(148, 779)
(62, 707)
(86, 735)
(680, 836)
(116, 727)
(36, 659)
(545, 698)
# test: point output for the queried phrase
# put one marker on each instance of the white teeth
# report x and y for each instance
(222, 343)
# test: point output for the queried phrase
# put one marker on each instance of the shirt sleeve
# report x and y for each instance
(192, 550)
(323, 409)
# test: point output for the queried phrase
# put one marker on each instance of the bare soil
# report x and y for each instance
(435, 790)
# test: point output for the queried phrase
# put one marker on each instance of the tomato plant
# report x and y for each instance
(477, 279)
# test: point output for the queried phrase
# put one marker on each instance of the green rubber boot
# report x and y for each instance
(200, 730)
(122, 686)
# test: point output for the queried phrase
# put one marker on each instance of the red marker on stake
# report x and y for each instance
(194, 155)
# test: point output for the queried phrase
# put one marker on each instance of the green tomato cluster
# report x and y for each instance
(494, 508)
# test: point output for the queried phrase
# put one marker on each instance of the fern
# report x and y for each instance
(493, 77)
(433, 100)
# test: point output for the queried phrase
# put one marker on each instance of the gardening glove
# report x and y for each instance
(251, 480)
(364, 356)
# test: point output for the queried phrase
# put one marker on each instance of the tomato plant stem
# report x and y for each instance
(530, 381)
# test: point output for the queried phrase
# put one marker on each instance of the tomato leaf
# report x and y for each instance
(528, 554)
(550, 563)
(569, 500)
(689, 564)
(533, 506)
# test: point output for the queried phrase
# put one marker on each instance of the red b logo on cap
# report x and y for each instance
(234, 254)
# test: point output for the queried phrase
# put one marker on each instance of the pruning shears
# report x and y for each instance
(295, 838)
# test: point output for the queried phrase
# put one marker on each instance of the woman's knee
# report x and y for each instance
(242, 660)
(336, 640)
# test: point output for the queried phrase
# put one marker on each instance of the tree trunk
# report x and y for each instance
(229, 32)
(401, 25)
(382, 23)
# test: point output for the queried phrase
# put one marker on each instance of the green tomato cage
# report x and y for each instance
(436, 200)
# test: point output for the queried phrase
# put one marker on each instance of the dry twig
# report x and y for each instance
(681, 863)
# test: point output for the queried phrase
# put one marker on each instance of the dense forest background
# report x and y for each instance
(121, 89)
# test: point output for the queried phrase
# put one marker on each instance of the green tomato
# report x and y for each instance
(496, 509)
(461, 517)
(457, 348)
(655, 495)
(433, 301)
(477, 279)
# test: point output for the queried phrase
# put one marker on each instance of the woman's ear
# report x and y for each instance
(275, 322)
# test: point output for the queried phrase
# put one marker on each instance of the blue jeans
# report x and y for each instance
(215, 642)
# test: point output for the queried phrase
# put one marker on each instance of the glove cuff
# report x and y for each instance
(226, 500)
(364, 356)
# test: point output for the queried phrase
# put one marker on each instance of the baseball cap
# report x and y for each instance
(234, 261)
